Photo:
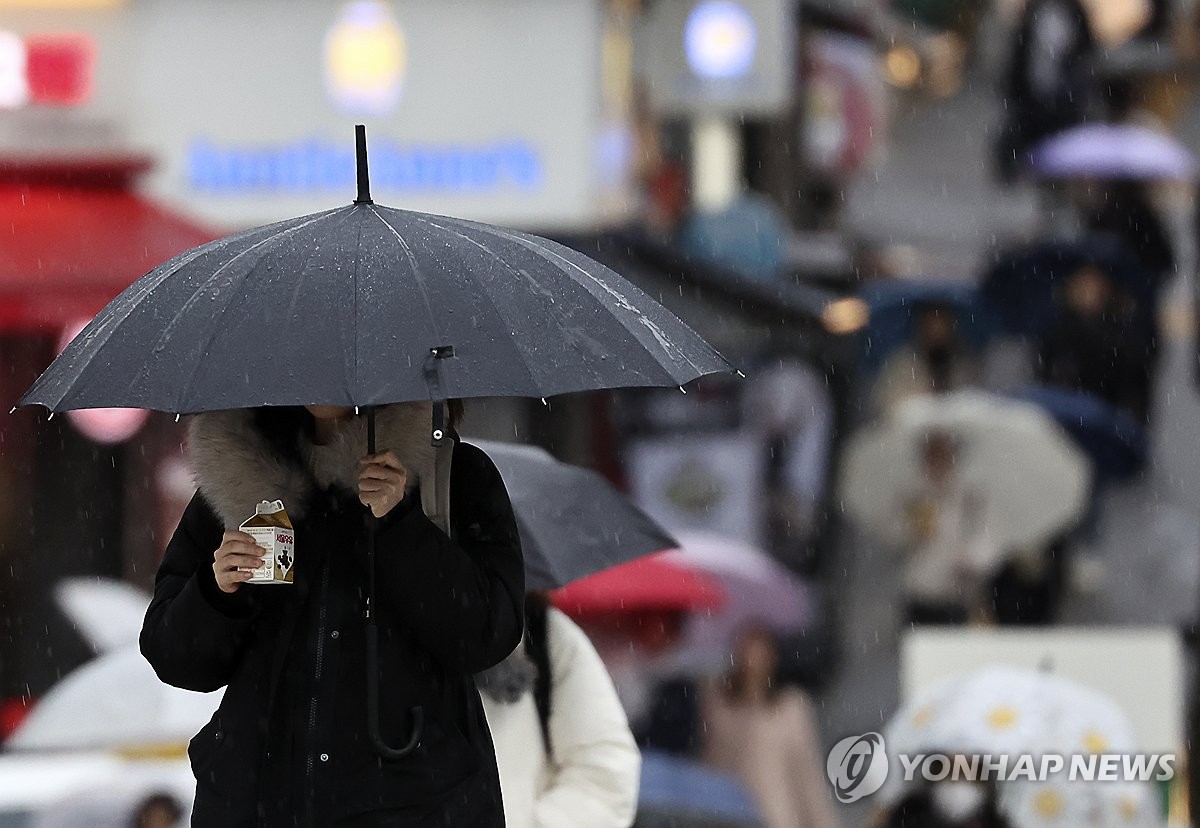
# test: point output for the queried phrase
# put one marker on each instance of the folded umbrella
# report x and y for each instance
(572, 521)
(365, 305)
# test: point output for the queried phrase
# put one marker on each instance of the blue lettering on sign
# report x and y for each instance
(315, 164)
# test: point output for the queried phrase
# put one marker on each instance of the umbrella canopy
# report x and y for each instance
(1106, 151)
(758, 591)
(654, 583)
(113, 702)
(1032, 480)
(1066, 804)
(1022, 289)
(685, 792)
(365, 305)
(1008, 710)
(1115, 441)
(108, 613)
(572, 521)
(896, 305)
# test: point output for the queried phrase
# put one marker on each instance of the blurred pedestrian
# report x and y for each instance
(765, 734)
(1050, 83)
(290, 743)
(946, 805)
(949, 553)
(563, 745)
(1094, 345)
(938, 360)
(160, 810)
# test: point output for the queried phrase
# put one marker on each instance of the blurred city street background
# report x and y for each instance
(952, 245)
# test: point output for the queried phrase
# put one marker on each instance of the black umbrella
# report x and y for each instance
(366, 305)
(572, 521)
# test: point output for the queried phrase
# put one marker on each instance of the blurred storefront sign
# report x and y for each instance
(705, 57)
(516, 113)
(701, 481)
(476, 109)
(45, 69)
(845, 108)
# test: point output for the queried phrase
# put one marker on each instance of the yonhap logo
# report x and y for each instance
(857, 767)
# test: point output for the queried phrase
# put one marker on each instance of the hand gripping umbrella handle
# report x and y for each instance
(418, 715)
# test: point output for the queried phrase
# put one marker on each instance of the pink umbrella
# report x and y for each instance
(759, 591)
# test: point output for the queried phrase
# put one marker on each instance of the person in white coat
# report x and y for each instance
(563, 744)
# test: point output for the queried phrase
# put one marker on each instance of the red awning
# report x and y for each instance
(73, 235)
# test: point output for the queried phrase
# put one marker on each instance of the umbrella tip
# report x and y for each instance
(360, 155)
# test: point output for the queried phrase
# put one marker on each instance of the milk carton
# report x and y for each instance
(271, 529)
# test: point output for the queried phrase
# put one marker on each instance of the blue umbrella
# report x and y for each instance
(1116, 442)
(684, 790)
(1021, 289)
(896, 305)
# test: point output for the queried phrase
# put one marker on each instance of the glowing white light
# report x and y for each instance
(719, 39)
(14, 88)
(365, 55)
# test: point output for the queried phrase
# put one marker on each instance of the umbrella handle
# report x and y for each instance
(385, 750)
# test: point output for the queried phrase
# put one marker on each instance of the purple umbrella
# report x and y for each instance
(759, 591)
(1113, 151)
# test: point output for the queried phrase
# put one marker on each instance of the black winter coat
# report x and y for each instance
(288, 745)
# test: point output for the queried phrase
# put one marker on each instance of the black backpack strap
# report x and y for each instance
(537, 647)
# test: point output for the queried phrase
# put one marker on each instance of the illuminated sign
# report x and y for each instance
(320, 165)
(45, 69)
(365, 55)
(719, 39)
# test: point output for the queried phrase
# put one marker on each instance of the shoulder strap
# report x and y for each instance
(435, 498)
(537, 647)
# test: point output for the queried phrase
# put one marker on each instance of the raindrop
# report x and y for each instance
(681, 388)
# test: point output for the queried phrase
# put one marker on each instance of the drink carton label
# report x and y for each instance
(271, 529)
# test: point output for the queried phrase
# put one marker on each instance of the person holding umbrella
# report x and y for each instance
(278, 338)
(452, 606)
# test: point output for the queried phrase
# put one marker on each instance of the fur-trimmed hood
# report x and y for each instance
(235, 466)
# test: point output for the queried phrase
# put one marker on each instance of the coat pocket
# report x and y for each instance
(204, 747)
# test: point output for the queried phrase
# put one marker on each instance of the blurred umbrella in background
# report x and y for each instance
(1066, 804)
(653, 584)
(115, 702)
(759, 591)
(108, 613)
(1115, 441)
(677, 791)
(1013, 711)
(1114, 151)
(572, 521)
(1022, 288)
(896, 307)
(1033, 480)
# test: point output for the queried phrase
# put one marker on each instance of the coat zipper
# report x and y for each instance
(312, 704)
